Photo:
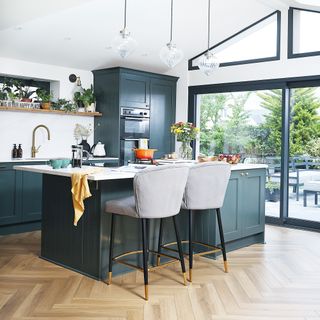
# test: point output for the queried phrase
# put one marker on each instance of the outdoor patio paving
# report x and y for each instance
(296, 208)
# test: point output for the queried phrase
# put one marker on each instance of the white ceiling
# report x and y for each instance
(78, 33)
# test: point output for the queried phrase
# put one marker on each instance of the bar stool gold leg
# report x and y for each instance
(110, 278)
(226, 270)
(184, 279)
(146, 292)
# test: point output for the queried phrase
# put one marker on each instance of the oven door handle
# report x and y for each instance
(128, 139)
(136, 119)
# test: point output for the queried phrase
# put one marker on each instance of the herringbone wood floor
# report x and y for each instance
(279, 280)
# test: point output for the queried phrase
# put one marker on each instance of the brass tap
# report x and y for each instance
(34, 150)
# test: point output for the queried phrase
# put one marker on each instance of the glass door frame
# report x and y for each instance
(285, 84)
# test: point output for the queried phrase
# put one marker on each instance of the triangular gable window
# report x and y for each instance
(303, 28)
(257, 43)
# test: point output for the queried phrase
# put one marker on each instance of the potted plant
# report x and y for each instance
(3, 94)
(89, 99)
(272, 191)
(63, 105)
(85, 99)
(23, 92)
(16, 87)
(45, 98)
(77, 98)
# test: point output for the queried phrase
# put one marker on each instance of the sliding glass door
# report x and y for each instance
(280, 127)
(304, 150)
(248, 123)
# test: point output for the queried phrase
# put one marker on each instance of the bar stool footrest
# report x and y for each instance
(153, 268)
(213, 248)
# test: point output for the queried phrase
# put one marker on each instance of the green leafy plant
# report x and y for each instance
(86, 98)
(44, 95)
(3, 94)
(12, 96)
(272, 186)
(23, 92)
(16, 86)
(63, 104)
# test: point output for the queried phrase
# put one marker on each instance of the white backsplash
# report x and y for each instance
(17, 127)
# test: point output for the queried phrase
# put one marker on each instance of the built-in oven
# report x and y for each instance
(134, 123)
(126, 151)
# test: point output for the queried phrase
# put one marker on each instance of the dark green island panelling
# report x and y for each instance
(85, 248)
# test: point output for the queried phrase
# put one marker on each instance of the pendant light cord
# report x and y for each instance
(171, 25)
(125, 14)
(209, 22)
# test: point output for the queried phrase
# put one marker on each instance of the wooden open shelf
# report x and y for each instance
(63, 113)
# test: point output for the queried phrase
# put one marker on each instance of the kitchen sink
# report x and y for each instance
(34, 159)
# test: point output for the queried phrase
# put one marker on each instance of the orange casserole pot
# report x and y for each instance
(146, 154)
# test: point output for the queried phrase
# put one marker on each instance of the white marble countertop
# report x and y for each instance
(47, 159)
(127, 172)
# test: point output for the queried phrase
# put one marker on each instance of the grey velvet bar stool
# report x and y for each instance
(158, 194)
(205, 189)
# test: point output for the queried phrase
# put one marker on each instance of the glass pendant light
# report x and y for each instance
(124, 44)
(208, 63)
(170, 54)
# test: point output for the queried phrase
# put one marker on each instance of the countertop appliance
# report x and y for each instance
(77, 156)
(98, 150)
(134, 123)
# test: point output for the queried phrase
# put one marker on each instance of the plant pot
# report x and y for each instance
(273, 196)
(91, 107)
(46, 105)
(26, 100)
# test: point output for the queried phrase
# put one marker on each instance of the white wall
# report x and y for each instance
(283, 68)
(16, 127)
(181, 71)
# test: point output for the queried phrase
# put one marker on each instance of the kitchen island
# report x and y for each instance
(85, 248)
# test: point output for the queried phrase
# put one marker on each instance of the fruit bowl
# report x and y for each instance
(230, 158)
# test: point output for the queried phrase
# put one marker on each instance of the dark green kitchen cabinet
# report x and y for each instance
(242, 213)
(121, 87)
(162, 116)
(30, 195)
(8, 205)
(20, 197)
(135, 90)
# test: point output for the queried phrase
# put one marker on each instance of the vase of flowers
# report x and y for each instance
(185, 132)
(83, 132)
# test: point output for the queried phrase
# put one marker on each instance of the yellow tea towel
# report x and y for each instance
(80, 191)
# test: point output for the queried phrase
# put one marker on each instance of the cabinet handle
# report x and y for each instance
(247, 173)
(242, 174)
(2, 167)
